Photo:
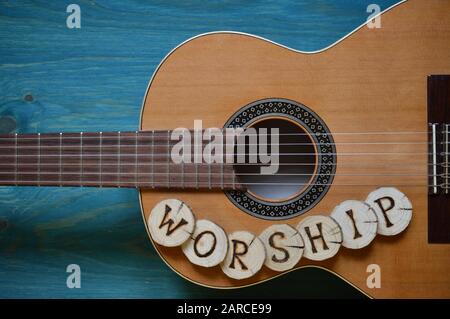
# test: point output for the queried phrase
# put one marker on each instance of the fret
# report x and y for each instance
(233, 181)
(446, 161)
(221, 175)
(209, 176)
(196, 175)
(168, 159)
(39, 160)
(100, 152)
(7, 161)
(136, 159)
(15, 159)
(118, 160)
(81, 158)
(224, 158)
(60, 157)
(182, 173)
(106, 159)
(153, 159)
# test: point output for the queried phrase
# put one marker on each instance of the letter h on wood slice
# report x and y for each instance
(322, 237)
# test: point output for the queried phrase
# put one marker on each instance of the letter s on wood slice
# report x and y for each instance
(245, 255)
(208, 245)
(393, 209)
(322, 237)
(358, 223)
(171, 223)
(284, 246)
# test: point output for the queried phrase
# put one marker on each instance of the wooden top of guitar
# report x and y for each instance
(373, 81)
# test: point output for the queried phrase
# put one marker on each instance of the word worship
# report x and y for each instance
(241, 254)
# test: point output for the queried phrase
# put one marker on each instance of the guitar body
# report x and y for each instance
(375, 80)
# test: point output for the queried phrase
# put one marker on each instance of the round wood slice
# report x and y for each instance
(284, 246)
(322, 237)
(358, 223)
(208, 245)
(245, 256)
(393, 209)
(171, 223)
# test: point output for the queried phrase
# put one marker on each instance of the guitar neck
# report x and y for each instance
(113, 159)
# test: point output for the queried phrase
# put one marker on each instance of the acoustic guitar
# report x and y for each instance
(350, 172)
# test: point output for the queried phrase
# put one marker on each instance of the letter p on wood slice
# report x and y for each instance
(208, 245)
(393, 209)
(171, 223)
(245, 256)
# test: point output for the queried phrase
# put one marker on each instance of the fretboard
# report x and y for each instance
(115, 159)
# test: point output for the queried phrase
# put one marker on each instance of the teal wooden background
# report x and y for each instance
(56, 79)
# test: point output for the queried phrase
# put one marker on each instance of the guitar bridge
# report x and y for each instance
(439, 163)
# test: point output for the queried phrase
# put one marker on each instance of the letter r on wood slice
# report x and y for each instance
(284, 246)
(171, 223)
(245, 255)
(322, 237)
(208, 245)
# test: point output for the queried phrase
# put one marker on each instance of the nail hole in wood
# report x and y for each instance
(29, 98)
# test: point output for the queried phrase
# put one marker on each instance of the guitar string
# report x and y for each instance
(219, 174)
(351, 165)
(206, 184)
(128, 162)
(26, 136)
(224, 144)
(226, 154)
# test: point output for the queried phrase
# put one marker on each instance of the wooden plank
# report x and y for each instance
(93, 79)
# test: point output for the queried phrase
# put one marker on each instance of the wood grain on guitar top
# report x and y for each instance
(373, 81)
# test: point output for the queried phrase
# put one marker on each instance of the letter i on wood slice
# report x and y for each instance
(245, 255)
(208, 245)
(284, 246)
(358, 223)
(322, 237)
(393, 209)
(171, 223)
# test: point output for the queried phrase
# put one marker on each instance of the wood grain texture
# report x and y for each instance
(54, 79)
(374, 81)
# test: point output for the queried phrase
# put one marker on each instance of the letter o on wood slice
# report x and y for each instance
(322, 237)
(207, 246)
(171, 223)
(284, 246)
(245, 256)
(358, 223)
(393, 209)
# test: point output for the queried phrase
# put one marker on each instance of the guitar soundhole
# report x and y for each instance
(306, 170)
(296, 162)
